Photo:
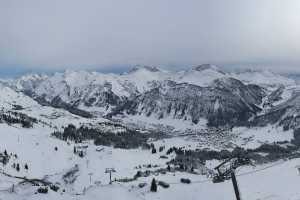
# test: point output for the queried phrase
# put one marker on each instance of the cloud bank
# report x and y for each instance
(102, 34)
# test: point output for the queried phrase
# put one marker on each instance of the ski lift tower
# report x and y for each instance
(226, 170)
(110, 171)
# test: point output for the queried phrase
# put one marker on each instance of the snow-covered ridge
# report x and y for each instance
(142, 78)
(263, 77)
(201, 75)
(102, 94)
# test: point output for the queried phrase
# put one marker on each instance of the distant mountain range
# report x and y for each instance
(204, 92)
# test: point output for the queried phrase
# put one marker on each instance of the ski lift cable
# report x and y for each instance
(242, 174)
(262, 169)
(140, 196)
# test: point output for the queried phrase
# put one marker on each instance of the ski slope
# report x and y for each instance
(36, 148)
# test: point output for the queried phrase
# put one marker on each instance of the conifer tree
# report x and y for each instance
(153, 186)
(153, 150)
(169, 168)
(18, 167)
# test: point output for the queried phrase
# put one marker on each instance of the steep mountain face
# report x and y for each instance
(286, 114)
(274, 96)
(250, 93)
(227, 102)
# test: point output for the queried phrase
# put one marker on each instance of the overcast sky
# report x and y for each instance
(113, 35)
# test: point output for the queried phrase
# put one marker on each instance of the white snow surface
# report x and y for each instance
(35, 147)
(263, 77)
(251, 138)
(199, 75)
(168, 123)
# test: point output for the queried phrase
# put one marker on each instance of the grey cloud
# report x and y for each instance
(96, 33)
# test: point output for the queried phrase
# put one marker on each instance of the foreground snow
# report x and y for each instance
(35, 146)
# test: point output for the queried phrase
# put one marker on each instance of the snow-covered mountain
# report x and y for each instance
(18, 105)
(201, 92)
(263, 77)
(28, 82)
(86, 89)
(202, 75)
(286, 113)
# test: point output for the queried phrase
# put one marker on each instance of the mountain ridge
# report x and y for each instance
(241, 95)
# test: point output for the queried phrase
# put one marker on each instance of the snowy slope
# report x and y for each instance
(263, 77)
(202, 75)
(145, 78)
(28, 82)
(53, 117)
(35, 147)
